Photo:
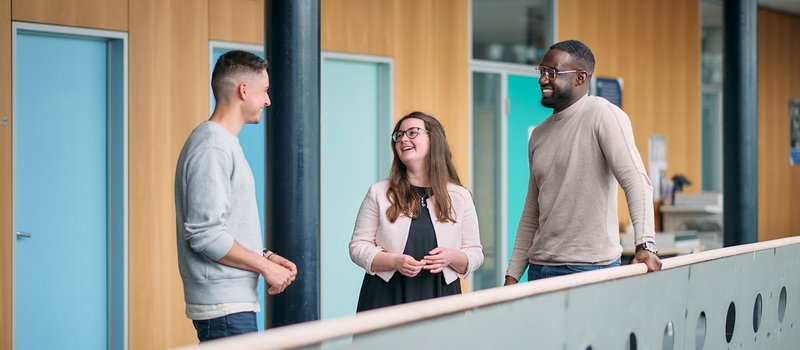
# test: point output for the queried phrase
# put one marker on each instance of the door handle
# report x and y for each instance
(23, 234)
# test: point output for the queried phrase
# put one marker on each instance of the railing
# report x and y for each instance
(743, 297)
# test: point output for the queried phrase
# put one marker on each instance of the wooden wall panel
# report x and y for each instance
(428, 40)
(101, 14)
(5, 175)
(237, 20)
(415, 68)
(654, 46)
(359, 26)
(168, 98)
(450, 83)
(778, 82)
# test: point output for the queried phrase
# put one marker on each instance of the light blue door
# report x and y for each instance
(524, 113)
(355, 154)
(60, 194)
(251, 138)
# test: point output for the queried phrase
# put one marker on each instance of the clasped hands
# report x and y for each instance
(279, 274)
(436, 260)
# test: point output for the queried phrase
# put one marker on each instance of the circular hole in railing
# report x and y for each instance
(631, 345)
(700, 331)
(730, 322)
(669, 337)
(782, 305)
(757, 313)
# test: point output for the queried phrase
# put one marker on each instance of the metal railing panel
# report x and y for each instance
(739, 280)
(601, 309)
(537, 320)
(604, 315)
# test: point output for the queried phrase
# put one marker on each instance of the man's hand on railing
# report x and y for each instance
(648, 258)
(510, 281)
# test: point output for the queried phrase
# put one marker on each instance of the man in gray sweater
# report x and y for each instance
(218, 230)
(577, 155)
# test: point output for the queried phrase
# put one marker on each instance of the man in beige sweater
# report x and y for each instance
(577, 156)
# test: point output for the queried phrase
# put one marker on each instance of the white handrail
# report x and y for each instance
(316, 332)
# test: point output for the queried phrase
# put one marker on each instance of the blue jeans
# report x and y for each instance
(225, 326)
(536, 272)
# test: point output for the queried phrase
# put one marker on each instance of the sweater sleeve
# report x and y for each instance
(363, 244)
(470, 235)
(208, 191)
(615, 136)
(528, 224)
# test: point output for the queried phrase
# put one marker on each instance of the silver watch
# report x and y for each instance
(648, 246)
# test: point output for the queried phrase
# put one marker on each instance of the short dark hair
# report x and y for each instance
(231, 66)
(579, 52)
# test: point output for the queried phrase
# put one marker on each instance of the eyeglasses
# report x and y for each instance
(411, 133)
(551, 73)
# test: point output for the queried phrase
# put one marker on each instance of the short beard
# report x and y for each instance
(557, 99)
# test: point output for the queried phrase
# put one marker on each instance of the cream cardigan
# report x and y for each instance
(374, 233)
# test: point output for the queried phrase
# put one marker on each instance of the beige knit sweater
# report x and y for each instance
(576, 157)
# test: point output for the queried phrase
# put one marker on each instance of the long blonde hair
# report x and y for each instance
(439, 162)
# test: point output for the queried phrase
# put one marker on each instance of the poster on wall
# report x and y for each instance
(657, 151)
(794, 132)
(608, 88)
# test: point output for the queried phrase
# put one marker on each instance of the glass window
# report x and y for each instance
(486, 169)
(711, 72)
(514, 31)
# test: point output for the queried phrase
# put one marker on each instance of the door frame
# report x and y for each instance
(118, 104)
(504, 70)
(386, 68)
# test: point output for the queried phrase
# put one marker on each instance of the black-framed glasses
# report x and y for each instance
(551, 73)
(411, 133)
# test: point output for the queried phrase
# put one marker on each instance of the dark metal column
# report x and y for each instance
(292, 141)
(740, 122)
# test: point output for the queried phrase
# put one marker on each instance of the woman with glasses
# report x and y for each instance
(416, 233)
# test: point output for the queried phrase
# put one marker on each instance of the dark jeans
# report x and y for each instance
(536, 272)
(225, 326)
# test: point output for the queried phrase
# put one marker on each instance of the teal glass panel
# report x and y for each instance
(352, 129)
(712, 141)
(525, 112)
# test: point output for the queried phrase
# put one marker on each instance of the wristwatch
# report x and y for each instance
(648, 246)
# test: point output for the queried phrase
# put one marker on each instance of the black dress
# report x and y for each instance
(376, 293)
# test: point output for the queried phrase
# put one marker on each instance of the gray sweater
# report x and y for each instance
(215, 204)
(570, 216)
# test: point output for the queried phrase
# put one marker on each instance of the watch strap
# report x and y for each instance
(648, 245)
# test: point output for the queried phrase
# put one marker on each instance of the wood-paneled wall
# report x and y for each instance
(778, 83)
(5, 175)
(654, 46)
(237, 20)
(168, 87)
(168, 98)
(428, 40)
(100, 14)
(359, 26)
